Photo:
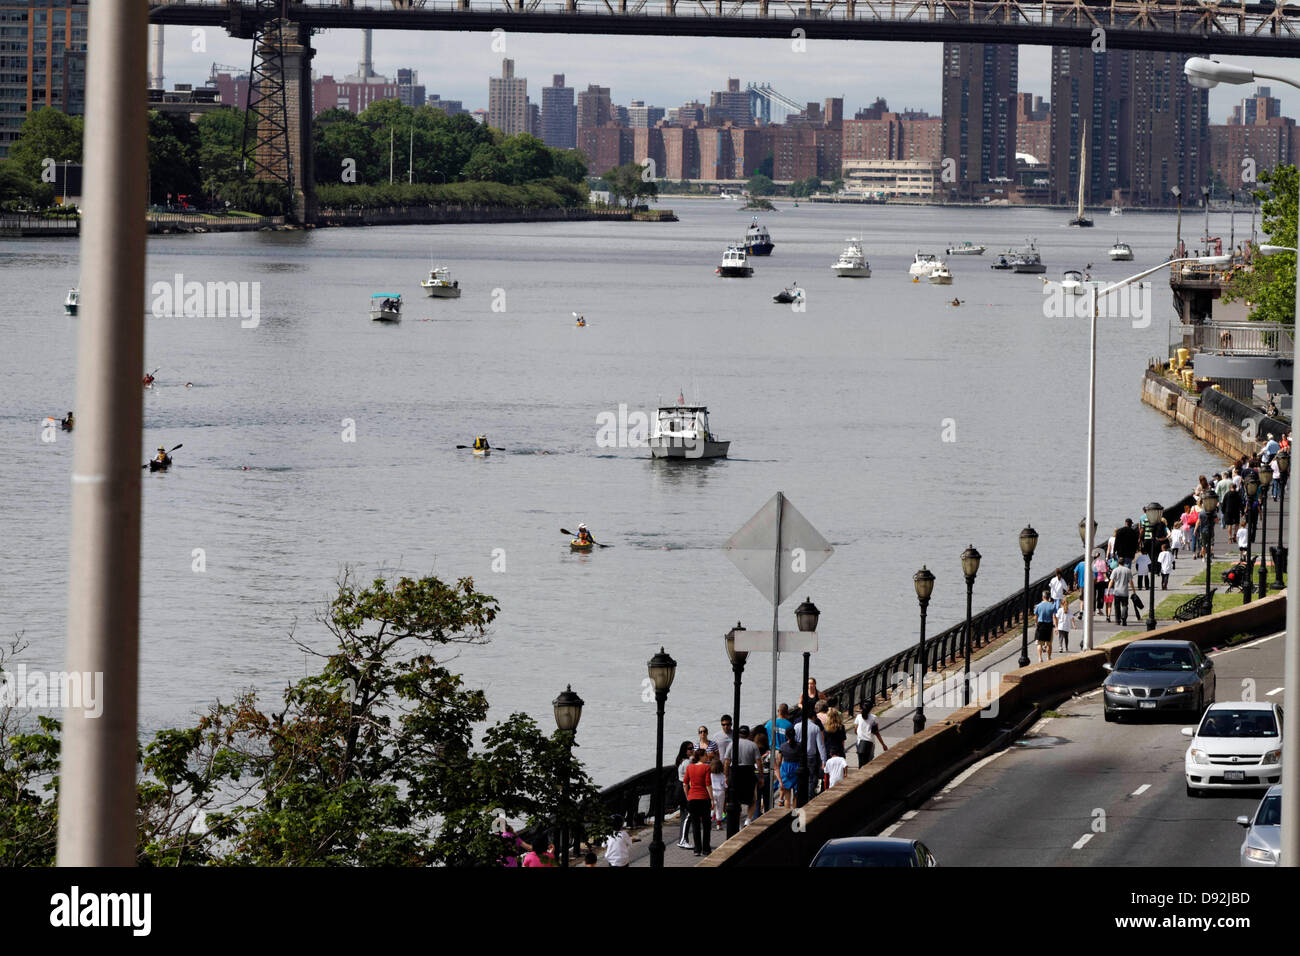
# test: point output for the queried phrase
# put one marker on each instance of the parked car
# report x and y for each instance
(1263, 843)
(1158, 676)
(1236, 746)
(874, 851)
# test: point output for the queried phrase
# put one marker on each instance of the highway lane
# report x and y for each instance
(1077, 791)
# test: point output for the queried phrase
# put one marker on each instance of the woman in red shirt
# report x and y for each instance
(699, 800)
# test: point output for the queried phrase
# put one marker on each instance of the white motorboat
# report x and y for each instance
(757, 240)
(966, 249)
(386, 307)
(1072, 282)
(682, 431)
(1121, 252)
(941, 275)
(852, 264)
(735, 264)
(1028, 260)
(440, 284)
(70, 303)
(923, 264)
(1116, 211)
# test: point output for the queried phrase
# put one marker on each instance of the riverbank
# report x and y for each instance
(1230, 427)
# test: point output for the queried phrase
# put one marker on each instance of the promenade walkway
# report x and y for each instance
(1001, 657)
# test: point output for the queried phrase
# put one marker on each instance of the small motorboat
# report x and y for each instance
(386, 307)
(923, 264)
(1003, 261)
(1121, 252)
(789, 294)
(440, 284)
(966, 249)
(757, 240)
(1116, 210)
(1072, 282)
(682, 431)
(1028, 261)
(735, 263)
(852, 264)
(941, 275)
(71, 301)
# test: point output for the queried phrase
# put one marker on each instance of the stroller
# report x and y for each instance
(1237, 575)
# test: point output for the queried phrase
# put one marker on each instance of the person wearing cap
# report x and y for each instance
(1271, 448)
(481, 443)
(583, 534)
(161, 457)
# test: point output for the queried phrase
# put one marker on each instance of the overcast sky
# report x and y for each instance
(662, 71)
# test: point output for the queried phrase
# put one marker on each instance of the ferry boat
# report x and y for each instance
(70, 303)
(1028, 261)
(1072, 282)
(440, 284)
(682, 431)
(757, 241)
(386, 307)
(966, 249)
(923, 264)
(735, 264)
(1121, 252)
(941, 275)
(852, 264)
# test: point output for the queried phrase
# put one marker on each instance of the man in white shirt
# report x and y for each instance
(618, 849)
(1057, 588)
(866, 727)
(1063, 625)
(1166, 565)
(835, 768)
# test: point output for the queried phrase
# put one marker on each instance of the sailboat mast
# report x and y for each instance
(1083, 166)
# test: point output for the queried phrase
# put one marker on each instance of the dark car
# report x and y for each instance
(1159, 676)
(874, 851)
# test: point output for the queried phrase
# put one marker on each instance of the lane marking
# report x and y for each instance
(1140, 790)
(1249, 644)
(1093, 694)
(1275, 690)
(969, 771)
(1078, 844)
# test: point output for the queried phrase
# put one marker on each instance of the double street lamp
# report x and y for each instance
(970, 566)
(1283, 475)
(568, 711)
(1205, 74)
(1155, 514)
(1029, 541)
(923, 581)
(1252, 489)
(662, 669)
(737, 659)
(1209, 506)
(806, 614)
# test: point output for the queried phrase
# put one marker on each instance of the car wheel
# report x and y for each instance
(1109, 715)
(1192, 792)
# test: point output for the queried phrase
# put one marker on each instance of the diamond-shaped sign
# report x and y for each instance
(753, 549)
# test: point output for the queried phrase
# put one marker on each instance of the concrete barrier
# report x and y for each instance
(904, 773)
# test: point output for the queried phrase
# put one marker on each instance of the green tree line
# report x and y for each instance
(1269, 285)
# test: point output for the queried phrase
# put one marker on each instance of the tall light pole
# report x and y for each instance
(1155, 514)
(1090, 516)
(737, 659)
(1029, 541)
(662, 669)
(1089, 584)
(568, 711)
(1178, 232)
(1206, 74)
(806, 615)
(1209, 506)
(1284, 474)
(970, 566)
(923, 581)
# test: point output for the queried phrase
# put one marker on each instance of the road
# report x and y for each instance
(1077, 791)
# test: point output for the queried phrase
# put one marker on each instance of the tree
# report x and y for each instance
(760, 185)
(173, 156)
(626, 182)
(766, 166)
(1270, 283)
(46, 134)
(569, 164)
(527, 159)
(487, 163)
(805, 187)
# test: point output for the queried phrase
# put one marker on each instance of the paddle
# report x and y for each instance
(181, 445)
(493, 448)
(593, 540)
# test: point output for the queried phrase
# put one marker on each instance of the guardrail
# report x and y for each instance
(1239, 413)
(1233, 338)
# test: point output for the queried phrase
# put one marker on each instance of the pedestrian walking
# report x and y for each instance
(685, 757)
(744, 775)
(815, 748)
(1101, 571)
(763, 771)
(776, 735)
(1045, 612)
(1063, 625)
(836, 765)
(718, 781)
(1166, 566)
(699, 800)
(1120, 580)
(836, 734)
(787, 766)
(1057, 587)
(866, 726)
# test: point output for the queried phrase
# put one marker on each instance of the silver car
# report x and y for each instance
(1158, 676)
(1263, 843)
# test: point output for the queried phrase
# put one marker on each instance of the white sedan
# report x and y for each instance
(1236, 746)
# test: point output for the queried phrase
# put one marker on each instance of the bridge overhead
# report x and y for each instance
(1191, 26)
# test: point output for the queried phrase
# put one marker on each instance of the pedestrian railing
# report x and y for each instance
(1239, 413)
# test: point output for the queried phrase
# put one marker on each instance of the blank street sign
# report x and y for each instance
(796, 641)
(803, 549)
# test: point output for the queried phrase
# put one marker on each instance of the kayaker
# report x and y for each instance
(67, 423)
(148, 380)
(481, 443)
(583, 534)
(162, 457)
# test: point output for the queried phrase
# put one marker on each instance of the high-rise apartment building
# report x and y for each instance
(1033, 127)
(42, 61)
(594, 107)
(508, 100)
(640, 116)
(559, 115)
(409, 90)
(730, 105)
(1256, 109)
(979, 113)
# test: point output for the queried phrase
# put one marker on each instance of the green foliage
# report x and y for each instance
(1270, 284)
(805, 187)
(46, 134)
(627, 182)
(760, 185)
(173, 157)
(766, 167)
(759, 203)
(549, 193)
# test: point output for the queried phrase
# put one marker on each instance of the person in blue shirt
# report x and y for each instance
(777, 738)
(1080, 573)
(1045, 613)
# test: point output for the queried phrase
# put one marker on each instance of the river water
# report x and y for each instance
(902, 427)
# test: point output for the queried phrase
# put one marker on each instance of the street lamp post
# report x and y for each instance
(806, 615)
(1252, 489)
(923, 581)
(1205, 74)
(1209, 505)
(1178, 231)
(662, 670)
(1029, 541)
(1155, 514)
(970, 566)
(1089, 576)
(737, 659)
(1284, 474)
(568, 711)
(1265, 479)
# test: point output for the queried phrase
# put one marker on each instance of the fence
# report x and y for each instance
(1232, 338)
(1239, 413)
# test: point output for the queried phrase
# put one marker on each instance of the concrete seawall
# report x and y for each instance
(1225, 437)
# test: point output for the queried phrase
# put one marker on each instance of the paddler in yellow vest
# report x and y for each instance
(481, 443)
(161, 457)
(584, 535)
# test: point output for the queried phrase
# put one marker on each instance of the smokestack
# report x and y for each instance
(366, 69)
(156, 57)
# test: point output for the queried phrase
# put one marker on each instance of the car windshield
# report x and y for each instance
(1137, 658)
(848, 856)
(1238, 723)
(1270, 812)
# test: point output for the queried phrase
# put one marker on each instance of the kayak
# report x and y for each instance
(482, 452)
(577, 545)
(156, 465)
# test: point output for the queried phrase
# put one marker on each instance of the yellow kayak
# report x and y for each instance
(482, 452)
(577, 545)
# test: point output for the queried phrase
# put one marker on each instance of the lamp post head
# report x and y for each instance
(1265, 477)
(923, 581)
(1210, 502)
(1252, 484)
(1028, 541)
(1268, 250)
(1213, 260)
(729, 641)
(1284, 463)
(807, 614)
(662, 670)
(1083, 529)
(568, 709)
(970, 563)
(1207, 74)
(1155, 512)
